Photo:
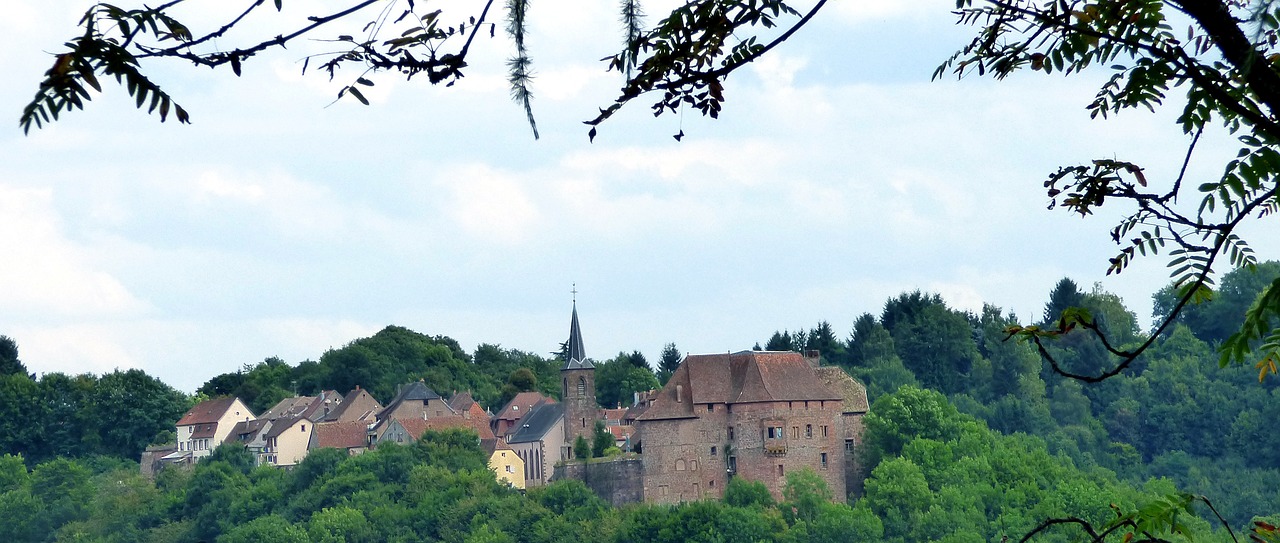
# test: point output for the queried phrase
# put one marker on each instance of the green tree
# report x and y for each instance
(823, 339)
(22, 415)
(9, 362)
(268, 529)
(743, 493)
(340, 525)
(132, 408)
(1214, 320)
(618, 379)
(668, 362)
(581, 450)
(803, 494)
(601, 440)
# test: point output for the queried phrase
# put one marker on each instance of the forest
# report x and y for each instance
(971, 437)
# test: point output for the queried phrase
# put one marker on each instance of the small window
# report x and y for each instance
(713, 451)
(582, 386)
(510, 470)
(795, 432)
(679, 393)
(824, 430)
(808, 431)
(848, 445)
(693, 465)
(711, 408)
(680, 465)
(304, 427)
(779, 470)
(662, 490)
(823, 461)
(730, 433)
(711, 484)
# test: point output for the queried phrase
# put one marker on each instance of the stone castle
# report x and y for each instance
(759, 415)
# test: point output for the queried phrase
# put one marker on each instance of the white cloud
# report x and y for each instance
(489, 204)
(48, 276)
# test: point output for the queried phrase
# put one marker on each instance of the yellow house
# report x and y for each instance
(506, 464)
(287, 441)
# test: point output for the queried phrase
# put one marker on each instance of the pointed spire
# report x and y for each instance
(576, 355)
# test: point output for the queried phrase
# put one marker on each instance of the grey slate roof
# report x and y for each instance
(537, 423)
(577, 356)
(415, 391)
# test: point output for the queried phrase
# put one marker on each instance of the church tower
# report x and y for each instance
(578, 392)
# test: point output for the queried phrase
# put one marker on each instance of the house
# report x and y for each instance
(504, 423)
(507, 466)
(205, 426)
(408, 430)
(464, 404)
(287, 441)
(351, 436)
(753, 414)
(357, 405)
(538, 439)
(415, 400)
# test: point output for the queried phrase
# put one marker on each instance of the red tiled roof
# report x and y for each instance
(341, 435)
(416, 427)
(208, 411)
(855, 395)
(204, 430)
(621, 432)
(520, 405)
(748, 376)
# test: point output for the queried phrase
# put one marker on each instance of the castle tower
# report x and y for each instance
(578, 392)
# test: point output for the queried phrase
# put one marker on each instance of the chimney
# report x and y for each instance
(813, 357)
(635, 398)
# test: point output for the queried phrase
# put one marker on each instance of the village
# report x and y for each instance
(753, 414)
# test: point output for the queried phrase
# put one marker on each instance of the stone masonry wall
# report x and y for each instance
(618, 481)
(685, 459)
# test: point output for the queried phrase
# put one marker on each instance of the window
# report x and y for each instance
(304, 427)
(713, 451)
(693, 465)
(510, 470)
(808, 431)
(662, 490)
(823, 460)
(680, 465)
(711, 408)
(848, 445)
(711, 484)
(795, 432)
(779, 470)
(731, 433)
(679, 393)
(582, 386)
(824, 430)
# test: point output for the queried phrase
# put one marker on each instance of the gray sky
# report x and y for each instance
(838, 176)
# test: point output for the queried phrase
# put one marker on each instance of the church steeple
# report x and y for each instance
(579, 393)
(576, 357)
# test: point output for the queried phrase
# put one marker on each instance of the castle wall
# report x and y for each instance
(769, 440)
(618, 481)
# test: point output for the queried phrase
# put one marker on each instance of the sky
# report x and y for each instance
(280, 223)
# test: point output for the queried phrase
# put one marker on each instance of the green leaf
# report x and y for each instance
(356, 92)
